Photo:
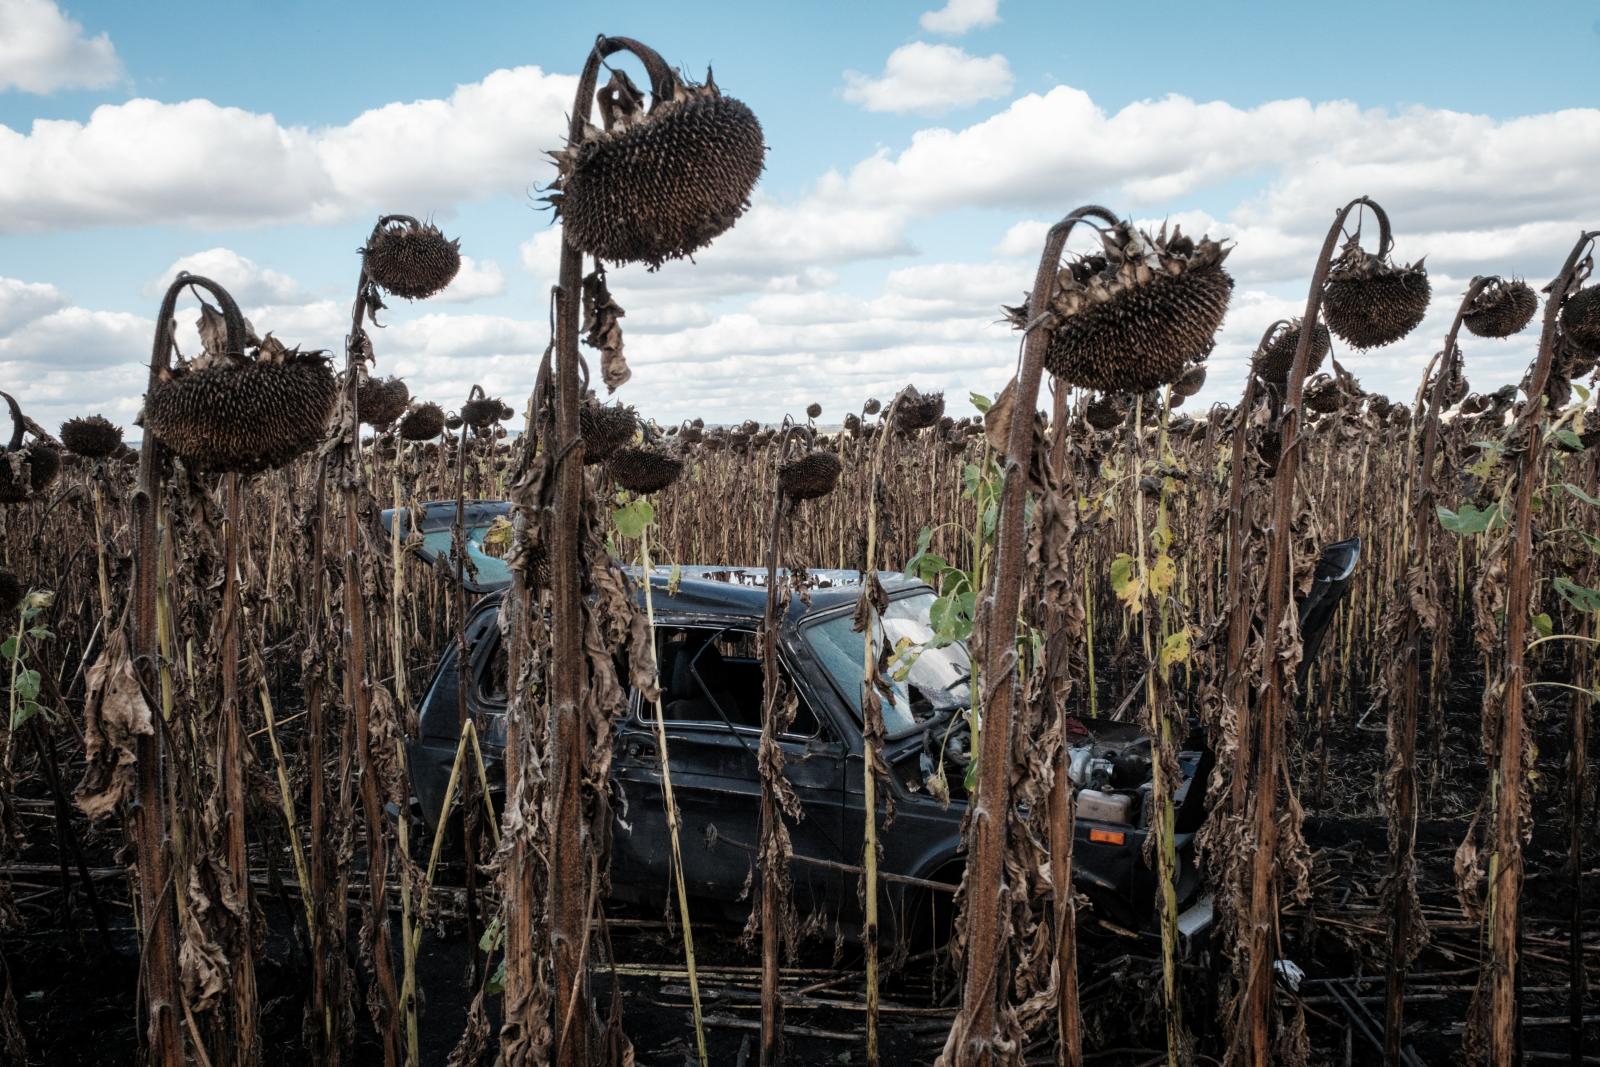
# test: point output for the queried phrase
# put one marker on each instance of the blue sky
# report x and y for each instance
(916, 152)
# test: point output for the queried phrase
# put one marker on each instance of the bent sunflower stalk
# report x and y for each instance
(159, 973)
(1400, 879)
(1509, 780)
(975, 1035)
(773, 910)
(1254, 1029)
(357, 692)
(612, 204)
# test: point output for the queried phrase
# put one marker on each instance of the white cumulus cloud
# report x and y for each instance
(200, 164)
(245, 280)
(474, 281)
(76, 337)
(42, 50)
(22, 302)
(959, 16)
(929, 78)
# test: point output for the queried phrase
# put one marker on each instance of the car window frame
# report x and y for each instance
(644, 713)
(850, 708)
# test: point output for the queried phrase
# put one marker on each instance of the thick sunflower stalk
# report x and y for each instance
(983, 1032)
(1064, 627)
(1129, 317)
(1369, 303)
(773, 915)
(613, 205)
(1509, 580)
(869, 608)
(1421, 615)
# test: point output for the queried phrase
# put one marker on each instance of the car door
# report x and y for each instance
(712, 715)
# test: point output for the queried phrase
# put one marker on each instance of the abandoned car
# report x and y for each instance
(706, 625)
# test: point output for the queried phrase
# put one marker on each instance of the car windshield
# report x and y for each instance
(923, 679)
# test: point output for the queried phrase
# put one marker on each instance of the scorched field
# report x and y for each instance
(345, 725)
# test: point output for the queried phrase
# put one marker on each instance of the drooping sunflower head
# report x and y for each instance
(411, 259)
(812, 474)
(1501, 308)
(652, 185)
(1134, 313)
(1371, 301)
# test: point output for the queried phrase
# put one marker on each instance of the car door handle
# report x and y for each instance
(639, 751)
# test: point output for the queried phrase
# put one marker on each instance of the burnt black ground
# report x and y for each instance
(76, 999)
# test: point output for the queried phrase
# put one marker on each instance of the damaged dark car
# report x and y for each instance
(707, 620)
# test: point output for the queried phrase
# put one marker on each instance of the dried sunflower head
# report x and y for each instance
(1183, 428)
(643, 468)
(91, 436)
(650, 186)
(379, 401)
(1190, 381)
(243, 413)
(604, 428)
(410, 259)
(1106, 412)
(423, 422)
(918, 411)
(1322, 394)
(481, 412)
(809, 476)
(1580, 321)
(1501, 308)
(813, 410)
(44, 463)
(1370, 301)
(1130, 317)
(1275, 358)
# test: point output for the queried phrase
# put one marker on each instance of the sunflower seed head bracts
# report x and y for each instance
(1501, 309)
(660, 184)
(1131, 316)
(244, 415)
(411, 259)
(1370, 301)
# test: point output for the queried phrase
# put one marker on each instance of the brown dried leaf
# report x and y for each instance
(602, 325)
(115, 715)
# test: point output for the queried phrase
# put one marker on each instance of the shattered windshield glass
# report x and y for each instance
(924, 678)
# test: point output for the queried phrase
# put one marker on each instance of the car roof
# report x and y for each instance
(701, 589)
(742, 591)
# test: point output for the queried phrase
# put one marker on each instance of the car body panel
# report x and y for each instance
(714, 767)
